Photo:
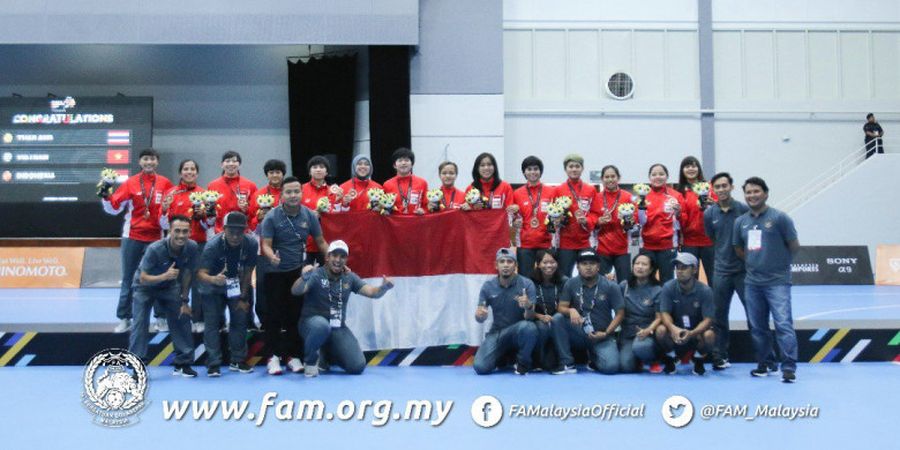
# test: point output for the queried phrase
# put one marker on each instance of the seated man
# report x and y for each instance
(511, 297)
(323, 319)
(585, 318)
(689, 303)
(231, 256)
(165, 276)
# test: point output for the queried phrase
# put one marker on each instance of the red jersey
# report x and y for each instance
(532, 202)
(230, 188)
(453, 197)
(253, 209)
(311, 195)
(361, 187)
(659, 230)
(140, 193)
(692, 230)
(612, 240)
(576, 236)
(410, 191)
(499, 198)
(182, 206)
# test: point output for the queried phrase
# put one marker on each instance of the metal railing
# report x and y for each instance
(830, 176)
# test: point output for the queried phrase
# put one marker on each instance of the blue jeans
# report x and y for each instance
(132, 252)
(342, 347)
(604, 355)
(520, 336)
(213, 310)
(179, 325)
(760, 301)
(633, 350)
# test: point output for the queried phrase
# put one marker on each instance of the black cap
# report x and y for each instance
(235, 219)
(587, 255)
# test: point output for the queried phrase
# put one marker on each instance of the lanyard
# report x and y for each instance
(336, 300)
(490, 195)
(148, 197)
(291, 222)
(405, 198)
(535, 204)
(448, 202)
(240, 255)
(542, 300)
(618, 196)
(593, 299)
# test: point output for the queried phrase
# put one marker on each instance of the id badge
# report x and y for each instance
(335, 318)
(754, 240)
(544, 205)
(496, 202)
(414, 198)
(686, 321)
(232, 288)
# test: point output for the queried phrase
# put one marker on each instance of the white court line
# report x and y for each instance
(866, 308)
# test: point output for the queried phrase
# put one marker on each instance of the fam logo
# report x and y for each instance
(115, 387)
(62, 105)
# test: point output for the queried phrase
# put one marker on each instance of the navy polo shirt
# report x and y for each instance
(771, 264)
(502, 300)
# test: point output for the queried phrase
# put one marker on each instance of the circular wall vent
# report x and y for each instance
(620, 86)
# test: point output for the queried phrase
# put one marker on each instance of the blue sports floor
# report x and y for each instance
(857, 409)
(40, 407)
(94, 309)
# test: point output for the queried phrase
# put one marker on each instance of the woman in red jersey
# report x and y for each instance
(612, 238)
(693, 235)
(661, 221)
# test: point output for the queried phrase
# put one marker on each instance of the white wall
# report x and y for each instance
(839, 210)
(793, 82)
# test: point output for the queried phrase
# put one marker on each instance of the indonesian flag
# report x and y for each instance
(117, 156)
(122, 175)
(118, 137)
(438, 263)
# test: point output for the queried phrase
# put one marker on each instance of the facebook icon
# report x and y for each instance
(486, 411)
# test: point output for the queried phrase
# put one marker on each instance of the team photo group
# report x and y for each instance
(610, 271)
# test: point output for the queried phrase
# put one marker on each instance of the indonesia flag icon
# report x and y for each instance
(118, 137)
(121, 175)
(117, 156)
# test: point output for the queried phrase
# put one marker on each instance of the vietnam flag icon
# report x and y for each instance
(117, 156)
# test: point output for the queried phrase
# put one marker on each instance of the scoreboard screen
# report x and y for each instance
(51, 153)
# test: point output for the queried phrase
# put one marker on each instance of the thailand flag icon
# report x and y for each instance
(118, 137)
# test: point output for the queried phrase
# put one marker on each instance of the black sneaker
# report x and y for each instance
(721, 364)
(788, 376)
(772, 367)
(698, 367)
(241, 367)
(669, 365)
(520, 370)
(184, 370)
(760, 371)
(213, 372)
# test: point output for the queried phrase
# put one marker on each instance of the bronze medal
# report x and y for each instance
(534, 222)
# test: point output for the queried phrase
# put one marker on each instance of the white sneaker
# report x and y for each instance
(198, 327)
(295, 365)
(123, 326)
(274, 366)
(162, 326)
(311, 371)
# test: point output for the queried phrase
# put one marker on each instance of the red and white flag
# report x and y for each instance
(118, 137)
(438, 263)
